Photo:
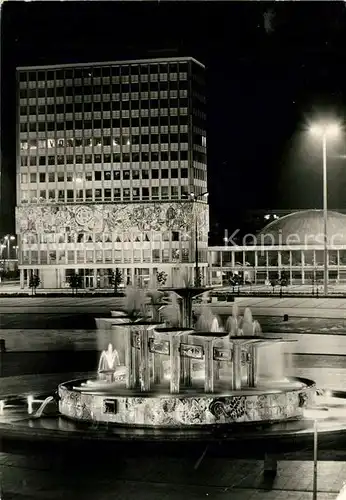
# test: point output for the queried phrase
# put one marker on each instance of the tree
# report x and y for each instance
(116, 279)
(34, 282)
(75, 281)
(161, 278)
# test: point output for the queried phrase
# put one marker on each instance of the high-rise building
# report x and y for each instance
(111, 171)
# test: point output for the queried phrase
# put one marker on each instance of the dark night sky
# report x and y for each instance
(270, 68)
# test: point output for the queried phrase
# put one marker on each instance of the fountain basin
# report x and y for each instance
(120, 406)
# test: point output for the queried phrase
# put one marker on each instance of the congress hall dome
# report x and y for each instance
(304, 228)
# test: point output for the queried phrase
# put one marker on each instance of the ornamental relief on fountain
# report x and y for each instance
(110, 218)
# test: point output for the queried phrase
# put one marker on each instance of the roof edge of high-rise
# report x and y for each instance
(108, 63)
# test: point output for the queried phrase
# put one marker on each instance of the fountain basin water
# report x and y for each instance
(118, 405)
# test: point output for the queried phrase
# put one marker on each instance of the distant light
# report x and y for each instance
(267, 216)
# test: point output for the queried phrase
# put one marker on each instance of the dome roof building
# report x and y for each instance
(304, 228)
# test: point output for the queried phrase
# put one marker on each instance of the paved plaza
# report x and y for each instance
(49, 477)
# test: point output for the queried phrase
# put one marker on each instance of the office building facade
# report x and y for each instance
(111, 171)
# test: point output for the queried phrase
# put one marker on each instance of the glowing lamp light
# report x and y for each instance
(328, 129)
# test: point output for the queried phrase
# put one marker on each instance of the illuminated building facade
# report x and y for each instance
(108, 156)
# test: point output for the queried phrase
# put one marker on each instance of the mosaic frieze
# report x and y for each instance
(111, 218)
(180, 411)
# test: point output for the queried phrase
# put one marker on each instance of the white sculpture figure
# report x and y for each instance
(109, 359)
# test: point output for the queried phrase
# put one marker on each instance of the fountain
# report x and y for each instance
(177, 376)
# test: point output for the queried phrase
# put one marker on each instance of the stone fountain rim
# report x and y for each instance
(69, 386)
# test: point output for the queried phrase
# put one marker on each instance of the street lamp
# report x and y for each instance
(315, 414)
(324, 131)
(8, 238)
(195, 197)
(16, 250)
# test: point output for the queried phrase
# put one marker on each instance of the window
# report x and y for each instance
(135, 174)
(135, 193)
(108, 194)
(70, 195)
(126, 175)
(61, 176)
(107, 175)
(156, 255)
(164, 173)
(164, 192)
(155, 193)
(155, 173)
(175, 235)
(116, 175)
(24, 178)
(33, 177)
(42, 177)
(98, 176)
(88, 176)
(145, 193)
(116, 193)
(88, 194)
(184, 173)
(145, 174)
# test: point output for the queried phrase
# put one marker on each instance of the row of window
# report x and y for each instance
(104, 256)
(134, 158)
(105, 123)
(123, 237)
(123, 92)
(116, 141)
(267, 258)
(105, 175)
(90, 107)
(102, 71)
(115, 194)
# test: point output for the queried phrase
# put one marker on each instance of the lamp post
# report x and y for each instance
(8, 238)
(315, 414)
(324, 131)
(195, 197)
(16, 250)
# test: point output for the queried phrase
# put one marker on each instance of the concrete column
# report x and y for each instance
(144, 365)
(209, 366)
(236, 382)
(175, 363)
(21, 278)
(129, 360)
(252, 377)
